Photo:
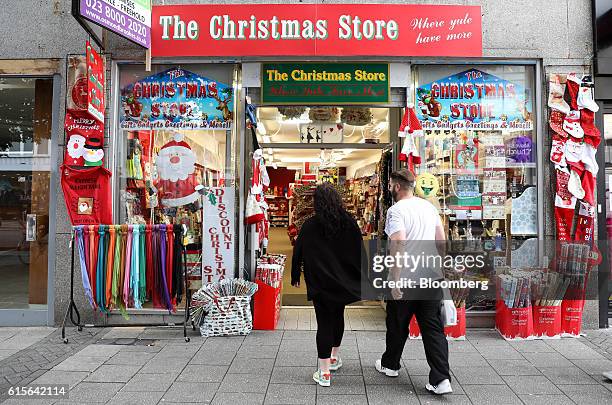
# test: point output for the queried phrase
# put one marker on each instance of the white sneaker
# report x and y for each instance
(324, 380)
(384, 370)
(608, 375)
(335, 363)
(442, 388)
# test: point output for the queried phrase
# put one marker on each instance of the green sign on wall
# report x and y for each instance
(324, 83)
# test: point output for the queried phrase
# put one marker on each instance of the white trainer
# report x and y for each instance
(442, 388)
(608, 375)
(384, 370)
(335, 363)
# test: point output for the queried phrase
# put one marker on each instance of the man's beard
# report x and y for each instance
(394, 195)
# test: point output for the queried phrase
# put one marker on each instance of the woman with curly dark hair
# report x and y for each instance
(330, 248)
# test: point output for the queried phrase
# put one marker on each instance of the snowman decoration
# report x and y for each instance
(176, 178)
(93, 152)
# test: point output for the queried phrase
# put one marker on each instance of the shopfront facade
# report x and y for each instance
(515, 52)
(502, 60)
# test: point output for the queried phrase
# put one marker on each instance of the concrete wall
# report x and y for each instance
(557, 32)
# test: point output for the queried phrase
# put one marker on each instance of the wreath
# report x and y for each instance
(356, 116)
(291, 112)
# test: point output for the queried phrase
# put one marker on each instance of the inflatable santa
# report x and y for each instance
(176, 178)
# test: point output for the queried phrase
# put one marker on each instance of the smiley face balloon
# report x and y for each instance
(426, 186)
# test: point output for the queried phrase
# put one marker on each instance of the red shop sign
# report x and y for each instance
(316, 30)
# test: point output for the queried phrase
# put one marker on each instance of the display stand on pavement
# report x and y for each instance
(73, 313)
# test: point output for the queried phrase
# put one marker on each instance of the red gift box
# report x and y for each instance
(571, 317)
(547, 321)
(266, 306)
(514, 323)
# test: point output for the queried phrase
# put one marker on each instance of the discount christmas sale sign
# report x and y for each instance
(316, 30)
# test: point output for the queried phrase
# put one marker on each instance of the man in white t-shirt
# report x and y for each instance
(413, 226)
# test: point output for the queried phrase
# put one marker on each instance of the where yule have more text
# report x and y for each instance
(223, 27)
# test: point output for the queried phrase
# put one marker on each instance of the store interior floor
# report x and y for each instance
(297, 312)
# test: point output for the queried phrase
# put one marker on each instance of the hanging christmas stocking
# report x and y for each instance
(592, 136)
(571, 124)
(574, 184)
(588, 185)
(557, 151)
(565, 204)
(585, 96)
(555, 94)
(591, 168)
(586, 222)
(573, 86)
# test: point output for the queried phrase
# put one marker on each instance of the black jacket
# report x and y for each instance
(332, 267)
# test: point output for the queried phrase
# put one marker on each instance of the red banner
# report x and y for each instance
(95, 84)
(87, 193)
(316, 30)
(84, 139)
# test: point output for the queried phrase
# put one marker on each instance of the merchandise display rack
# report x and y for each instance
(72, 311)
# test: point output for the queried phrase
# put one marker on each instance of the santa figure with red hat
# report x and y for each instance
(176, 178)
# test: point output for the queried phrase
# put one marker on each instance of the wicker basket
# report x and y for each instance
(223, 308)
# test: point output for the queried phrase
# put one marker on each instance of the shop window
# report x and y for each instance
(478, 161)
(25, 136)
(25, 128)
(176, 137)
(323, 124)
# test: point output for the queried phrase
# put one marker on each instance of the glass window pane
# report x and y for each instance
(478, 160)
(162, 167)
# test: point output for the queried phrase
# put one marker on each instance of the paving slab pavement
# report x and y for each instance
(155, 366)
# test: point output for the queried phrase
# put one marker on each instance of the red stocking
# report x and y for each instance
(592, 135)
(565, 204)
(573, 85)
(586, 222)
(588, 184)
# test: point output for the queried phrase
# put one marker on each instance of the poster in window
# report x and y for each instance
(466, 158)
(474, 100)
(468, 191)
(494, 206)
(177, 99)
(519, 150)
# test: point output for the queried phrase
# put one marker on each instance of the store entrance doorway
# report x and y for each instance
(25, 190)
(305, 146)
